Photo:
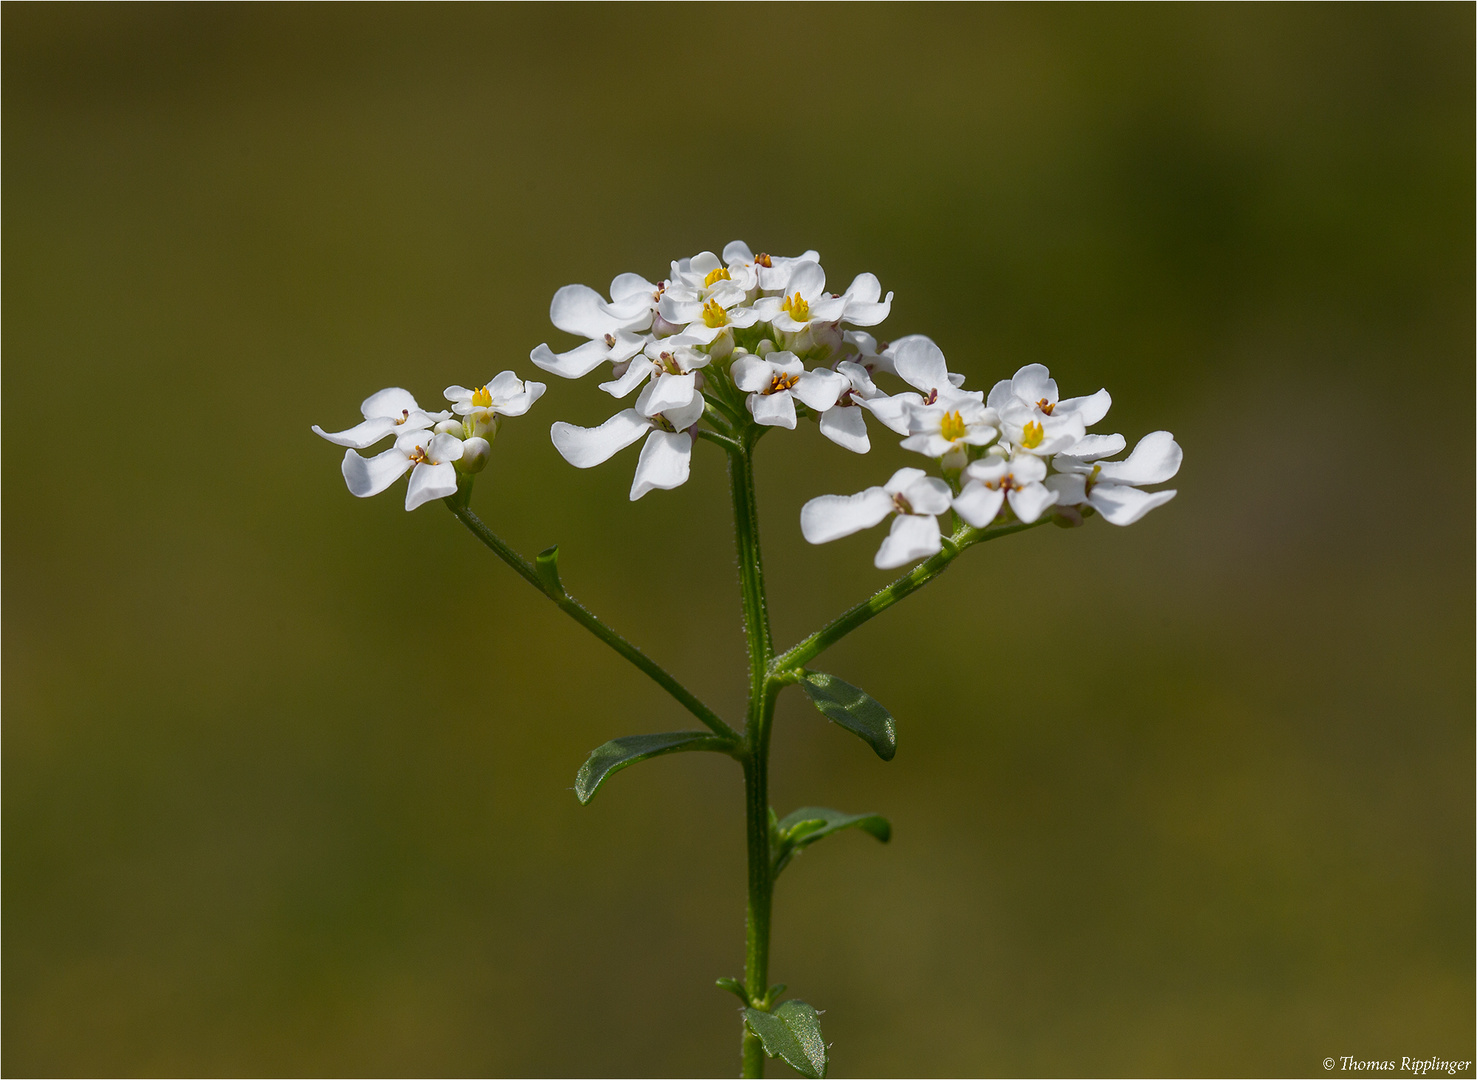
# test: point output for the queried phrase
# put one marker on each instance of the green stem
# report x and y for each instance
(762, 696)
(582, 615)
(797, 657)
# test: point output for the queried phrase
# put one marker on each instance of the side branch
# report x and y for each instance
(797, 657)
(582, 615)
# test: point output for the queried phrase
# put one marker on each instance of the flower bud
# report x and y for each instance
(475, 452)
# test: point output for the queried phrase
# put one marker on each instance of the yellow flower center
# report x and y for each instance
(418, 455)
(482, 398)
(720, 274)
(952, 426)
(781, 381)
(798, 307)
(1032, 434)
(714, 315)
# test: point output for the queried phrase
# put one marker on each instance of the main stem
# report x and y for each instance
(756, 740)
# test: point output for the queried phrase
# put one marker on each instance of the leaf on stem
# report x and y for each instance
(793, 1033)
(733, 986)
(805, 826)
(629, 749)
(546, 562)
(853, 709)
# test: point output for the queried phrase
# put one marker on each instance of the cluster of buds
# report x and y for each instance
(436, 448)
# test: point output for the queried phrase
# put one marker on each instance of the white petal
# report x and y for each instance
(902, 479)
(626, 286)
(575, 363)
(808, 279)
(864, 289)
(1071, 489)
(393, 402)
(1154, 460)
(774, 410)
(920, 363)
(1034, 382)
(1092, 447)
(444, 447)
(928, 495)
(1091, 408)
(846, 427)
(683, 417)
(819, 389)
(635, 375)
(626, 346)
(872, 314)
(586, 447)
(893, 411)
(429, 482)
(1027, 468)
(365, 433)
(669, 392)
(579, 309)
(1001, 397)
(737, 252)
(1031, 501)
(664, 462)
(1123, 505)
(911, 538)
(831, 517)
(370, 476)
(978, 504)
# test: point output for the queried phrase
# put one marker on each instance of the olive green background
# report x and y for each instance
(287, 774)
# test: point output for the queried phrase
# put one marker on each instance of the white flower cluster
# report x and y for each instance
(760, 333)
(433, 446)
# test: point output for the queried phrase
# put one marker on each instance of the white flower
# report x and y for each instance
(671, 364)
(921, 364)
(842, 422)
(391, 411)
(771, 271)
(1112, 487)
(914, 496)
(707, 313)
(431, 457)
(806, 300)
(773, 380)
(616, 328)
(665, 458)
(994, 479)
(506, 395)
(1032, 418)
(947, 428)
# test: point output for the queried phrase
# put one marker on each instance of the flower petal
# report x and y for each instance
(1123, 505)
(978, 504)
(1032, 383)
(429, 482)
(574, 364)
(902, 479)
(669, 392)
(808, 279)
(1091, 408)
(819, 389)
(737, 252)
(586, 447)
(774, 410)
(928, 495)
(635, 375)
(846, 427)
(1031, 501)
(391, 401)
(1154, 460)
(365, 433)
(1092, 447)
(579, 309)
(912, 537)
(920, 362)
(664, 462)
(1070, 488)
(830, 517)
(626, 286)
(370, 476)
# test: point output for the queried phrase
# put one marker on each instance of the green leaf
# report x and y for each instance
(546, 562)
(733, 986)
(805, 826)
(853, 709)
(629, 749)
(793, 1033)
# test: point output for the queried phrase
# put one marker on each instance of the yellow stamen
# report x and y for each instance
(763, 260)
(482, 398)
(720, 274)
(1045, 406)
(952, 426)
(714, 315)
(798, 307)
(1032, 435)
(781, 381)
(418, 456)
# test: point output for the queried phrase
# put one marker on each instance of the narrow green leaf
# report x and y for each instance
(546, 562)
(805, 826)
(854, 710)
(629, 749)
(733, 986)
(793, 1033)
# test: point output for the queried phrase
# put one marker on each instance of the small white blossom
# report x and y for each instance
(915, 497)
(430, 458)
(1032, 417)
(805, 300)
(666, 456)
(773, 381)
(616, 328)
(1112, 487)
(995, 479)
(389, 412)
(505, 395)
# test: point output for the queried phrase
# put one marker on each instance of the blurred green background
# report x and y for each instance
(287, 775)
